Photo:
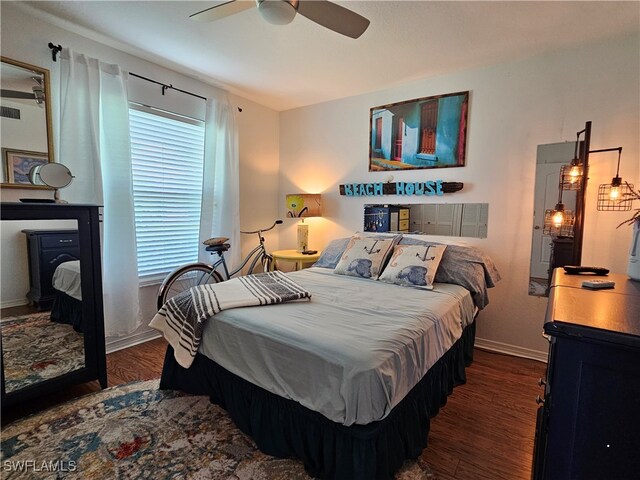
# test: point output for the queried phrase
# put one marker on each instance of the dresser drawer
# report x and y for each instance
(403, 225)
(59, 240)
(404, 214)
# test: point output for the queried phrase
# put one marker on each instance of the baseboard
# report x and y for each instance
(14, 303)
(499, 347)
(132, 340)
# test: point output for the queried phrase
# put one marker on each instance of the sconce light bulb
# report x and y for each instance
(574, 173)
(558, 218)
(614, 194)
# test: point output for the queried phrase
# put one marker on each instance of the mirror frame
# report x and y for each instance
(47, 109)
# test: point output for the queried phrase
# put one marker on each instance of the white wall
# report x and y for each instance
(513, 108)
(25, 38)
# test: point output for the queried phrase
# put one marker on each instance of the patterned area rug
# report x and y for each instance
(136, 431)
(35, 349)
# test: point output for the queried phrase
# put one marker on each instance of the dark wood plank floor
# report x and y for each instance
(485, 431)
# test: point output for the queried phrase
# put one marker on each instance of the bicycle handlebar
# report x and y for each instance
(277, 222)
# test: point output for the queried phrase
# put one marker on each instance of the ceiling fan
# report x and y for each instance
(37, 95)
(281, 12)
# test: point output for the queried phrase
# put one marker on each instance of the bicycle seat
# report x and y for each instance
(223, 247)
(215, 241)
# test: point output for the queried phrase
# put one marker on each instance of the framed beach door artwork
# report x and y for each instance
(429, 132)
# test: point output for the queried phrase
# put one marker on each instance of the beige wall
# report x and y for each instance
(513, 108)
(25, 38)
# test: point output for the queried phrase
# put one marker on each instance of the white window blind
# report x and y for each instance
(167, 162)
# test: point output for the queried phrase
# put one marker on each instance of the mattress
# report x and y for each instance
(351, 353)
(66, 279)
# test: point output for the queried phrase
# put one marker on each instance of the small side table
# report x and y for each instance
(294, 256)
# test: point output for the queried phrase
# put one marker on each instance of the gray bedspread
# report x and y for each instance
(351, 353)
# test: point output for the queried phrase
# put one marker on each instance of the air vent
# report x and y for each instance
(10, 112)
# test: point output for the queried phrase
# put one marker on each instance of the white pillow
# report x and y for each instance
(365, 256)
(413, 265)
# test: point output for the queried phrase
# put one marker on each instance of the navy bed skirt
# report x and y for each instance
(284, 428)
(66, 309)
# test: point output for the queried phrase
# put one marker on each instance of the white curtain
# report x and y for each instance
(94, 143)
(220, 215)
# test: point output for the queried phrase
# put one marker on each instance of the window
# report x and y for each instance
(167, 155)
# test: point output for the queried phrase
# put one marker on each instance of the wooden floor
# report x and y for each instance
(485, 431)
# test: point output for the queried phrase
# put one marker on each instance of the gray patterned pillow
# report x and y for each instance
(466, 266)
(413, 265)
(331, 254)
(365, 256)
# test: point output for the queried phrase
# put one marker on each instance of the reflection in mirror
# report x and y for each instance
(54, 175)
(544, 248)
(41, 301)
(25, 121)
(450, 219)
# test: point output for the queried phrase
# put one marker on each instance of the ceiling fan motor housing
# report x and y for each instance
(278, 12)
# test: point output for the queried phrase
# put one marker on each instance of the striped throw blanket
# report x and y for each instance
(181, 319)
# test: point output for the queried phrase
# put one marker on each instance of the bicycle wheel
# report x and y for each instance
(184, 278)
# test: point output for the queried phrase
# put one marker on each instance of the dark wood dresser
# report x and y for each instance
(588, 424)
(46, 250)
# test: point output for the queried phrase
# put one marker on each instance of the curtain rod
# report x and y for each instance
(55, 49)
(166, 87)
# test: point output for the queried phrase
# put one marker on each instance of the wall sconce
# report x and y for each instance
(614, 196)
(302, 205)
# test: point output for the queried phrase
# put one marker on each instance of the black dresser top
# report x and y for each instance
(581, 311)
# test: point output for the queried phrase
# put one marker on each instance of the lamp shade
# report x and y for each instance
(559, 222)
(301, 205)
(615, 196)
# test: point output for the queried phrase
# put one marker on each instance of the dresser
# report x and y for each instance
(46, 250)
(588, 422)
(43, 352)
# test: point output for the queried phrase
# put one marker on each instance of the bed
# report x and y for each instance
(348, 381)
(67, 304)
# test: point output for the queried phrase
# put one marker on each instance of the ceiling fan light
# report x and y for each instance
(277, 12)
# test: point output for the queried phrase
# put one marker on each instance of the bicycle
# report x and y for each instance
(198, 273)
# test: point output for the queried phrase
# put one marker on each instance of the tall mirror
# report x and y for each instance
(26, 136)
(549, 160)
(41, 322)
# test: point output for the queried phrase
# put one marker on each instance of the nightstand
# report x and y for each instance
(294, 256)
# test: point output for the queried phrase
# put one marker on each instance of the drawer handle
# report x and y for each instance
(539, 400)
(65, 241)
(541, 382)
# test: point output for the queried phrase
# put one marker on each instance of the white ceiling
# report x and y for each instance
(303, 63)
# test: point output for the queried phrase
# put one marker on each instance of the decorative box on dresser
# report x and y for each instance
(83, 244)
(588, 423)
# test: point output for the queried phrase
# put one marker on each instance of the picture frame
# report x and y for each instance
(423, 133)
(19, 162)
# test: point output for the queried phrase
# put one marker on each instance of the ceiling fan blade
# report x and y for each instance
(334, 17)
(16, 94)
(222, 10)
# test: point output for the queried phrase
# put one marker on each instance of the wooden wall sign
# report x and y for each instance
(428, 188)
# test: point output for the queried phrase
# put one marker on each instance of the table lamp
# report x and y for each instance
(302, 205)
